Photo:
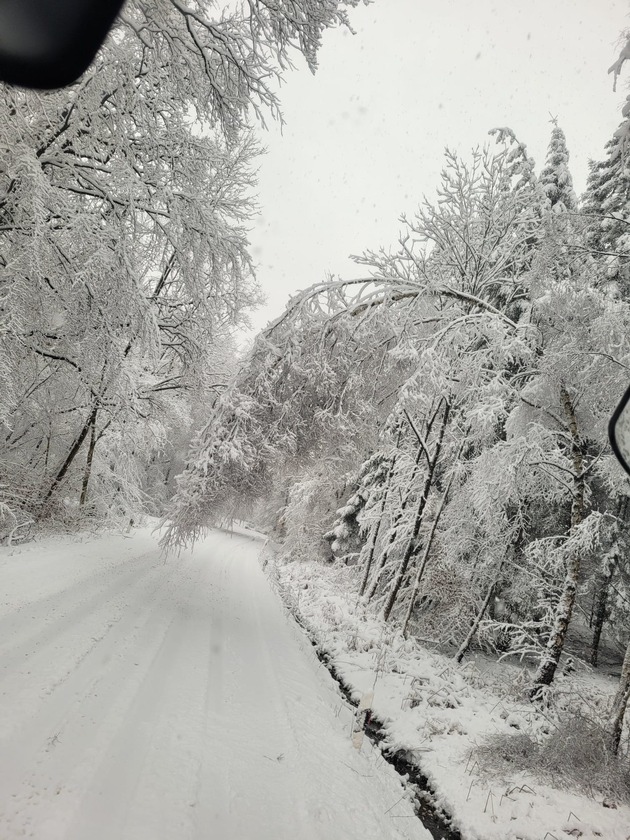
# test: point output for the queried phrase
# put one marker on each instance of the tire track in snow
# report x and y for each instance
(118, 774)
(234, 763)
(53, 615)
(196, 715)
(307, 693)
(296, 691)
(74, 722)
(49, 593)
(211, 789)
(154, 762)
(39, 670)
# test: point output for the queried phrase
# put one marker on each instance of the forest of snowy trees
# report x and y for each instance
(124, 264)
(437, 423)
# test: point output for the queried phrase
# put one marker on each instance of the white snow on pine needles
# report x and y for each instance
(152, 699)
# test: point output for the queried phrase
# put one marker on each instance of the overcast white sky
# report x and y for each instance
(364, 137)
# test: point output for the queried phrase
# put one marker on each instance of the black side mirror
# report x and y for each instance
(49, 43)
(619, 431)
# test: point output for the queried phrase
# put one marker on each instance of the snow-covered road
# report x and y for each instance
(150, 700)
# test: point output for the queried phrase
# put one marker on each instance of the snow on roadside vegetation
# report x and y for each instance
(441, 713)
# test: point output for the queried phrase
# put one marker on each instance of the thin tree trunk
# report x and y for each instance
(394, 530)
(72, 454)
(564, 610)
(391, 539)
(604, 579)
(46, 456)
(620, 704)
(411, 544)
(375, 529)
(601, 602)
(88, 464)
(463, 650)
(427, 548)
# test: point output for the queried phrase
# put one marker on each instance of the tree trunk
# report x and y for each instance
(393, 532)
(601, 601)
(427, 548)
(463, 650)
(620, 704)
(72, 454)
(604, 579)
(411, 544)
(375, 529)
(400, 513)
(424, 561)
(88, 463)
(555, 644)
(371, 592)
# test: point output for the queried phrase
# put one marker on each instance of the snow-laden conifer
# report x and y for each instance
(555, 177)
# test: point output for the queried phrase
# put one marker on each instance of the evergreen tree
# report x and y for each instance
(606, 207)
(555, 178)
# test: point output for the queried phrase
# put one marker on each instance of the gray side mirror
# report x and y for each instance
(49, 43)
(619, 431)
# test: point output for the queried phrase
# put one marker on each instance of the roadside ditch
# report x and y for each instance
(425, 805)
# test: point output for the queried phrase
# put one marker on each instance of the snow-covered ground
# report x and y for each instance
(440, 713)
(148, 699)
